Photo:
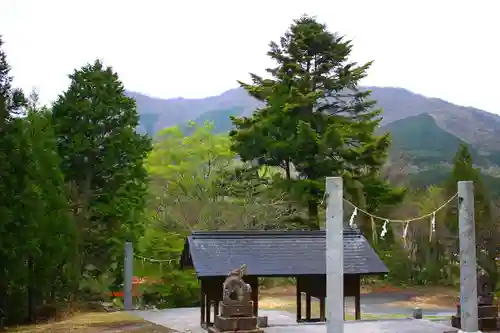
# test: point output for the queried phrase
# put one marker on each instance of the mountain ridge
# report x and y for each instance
(480, 129)
(426, 131)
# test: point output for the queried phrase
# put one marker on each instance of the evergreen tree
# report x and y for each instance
(11, 177)
(95, 125)
(316, 121)
(487, 232)
(14, 99)
(35, 231)
(47, 229)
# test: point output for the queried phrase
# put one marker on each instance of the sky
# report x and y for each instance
(198, 48)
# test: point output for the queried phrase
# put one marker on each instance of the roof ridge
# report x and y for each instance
(269, 233)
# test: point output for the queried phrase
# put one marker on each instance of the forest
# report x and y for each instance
(78, 181)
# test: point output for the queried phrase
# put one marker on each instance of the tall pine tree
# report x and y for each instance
(95, 125)
(35, 231)
(315, 121)
(14, 99)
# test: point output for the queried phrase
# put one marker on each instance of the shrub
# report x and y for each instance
(176, 289)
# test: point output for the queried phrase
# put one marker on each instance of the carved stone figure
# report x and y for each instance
(236, 306)
(234, 288)
(487, 312)
(484, 288)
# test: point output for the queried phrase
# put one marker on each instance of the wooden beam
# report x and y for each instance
(208, 312)
(299, 299)
(203, 301)
(254, 283)
(322, 308)
(357, 307)
(308, 307)
(357, 299)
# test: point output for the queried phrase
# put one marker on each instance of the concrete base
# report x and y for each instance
(262, 321)
(216, 330)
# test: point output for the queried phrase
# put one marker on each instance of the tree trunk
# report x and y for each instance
(312, 208)
(288, 179)
(30, 291)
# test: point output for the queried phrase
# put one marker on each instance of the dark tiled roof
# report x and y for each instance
(276, 253)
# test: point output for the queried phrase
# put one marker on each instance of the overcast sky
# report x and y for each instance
(198, 48)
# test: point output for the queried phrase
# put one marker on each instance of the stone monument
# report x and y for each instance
(488, 319)
(236, 309)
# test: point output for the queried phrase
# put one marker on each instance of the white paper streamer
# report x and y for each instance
(351, 219)
(433, 225)
(405, 231)
(384, 229)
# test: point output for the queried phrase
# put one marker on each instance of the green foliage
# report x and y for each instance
(177, 289)
(184, 172)
(97, 285)
(166, 286)
(438, 175)
(102, 161)
(36, 228)
(315, 120)
(487, 232)
(13, 99)
(423, 257)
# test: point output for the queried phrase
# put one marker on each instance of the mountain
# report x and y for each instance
(175, 111)
(425, 142)
(478, 128)
(220, 119)
(426, 130)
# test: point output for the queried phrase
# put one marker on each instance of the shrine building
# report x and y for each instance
(297, 254)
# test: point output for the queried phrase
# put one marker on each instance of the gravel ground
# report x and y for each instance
(187, 320)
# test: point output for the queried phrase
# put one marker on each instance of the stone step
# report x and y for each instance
(235, 324)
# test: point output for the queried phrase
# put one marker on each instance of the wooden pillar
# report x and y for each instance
(208, 312)
(357, 307)
(254, 283)
(202, 303)
(299, 299)
(357, 299)
(308, 307)
(322, 308)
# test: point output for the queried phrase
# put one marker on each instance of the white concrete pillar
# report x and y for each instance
(468, 265)
(334, 256)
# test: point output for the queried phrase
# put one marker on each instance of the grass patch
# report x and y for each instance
(94, 322)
